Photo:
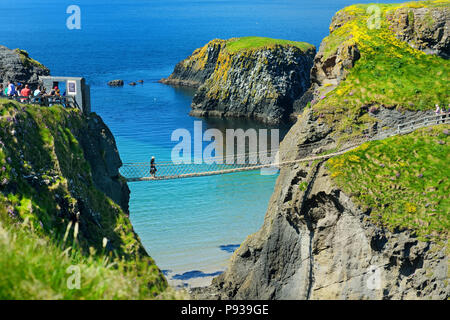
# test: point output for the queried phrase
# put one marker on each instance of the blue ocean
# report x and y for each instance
(191, 226)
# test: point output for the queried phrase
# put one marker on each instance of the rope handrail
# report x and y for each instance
(169, 162)
(168, 170)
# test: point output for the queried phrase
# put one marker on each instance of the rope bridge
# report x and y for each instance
(257, 160)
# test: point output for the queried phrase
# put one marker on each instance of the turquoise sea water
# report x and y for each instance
(184, 223)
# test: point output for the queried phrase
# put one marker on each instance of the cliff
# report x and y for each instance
(391, 74)
(252, 77)
(424, 28)
(100, 151)
(17, 66)
(374, 222)
(349, 228)
(62, 203)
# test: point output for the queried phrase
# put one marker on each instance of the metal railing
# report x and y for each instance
(48, 101)
(423, 122)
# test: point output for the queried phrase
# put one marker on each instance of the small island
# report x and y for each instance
(250, 77)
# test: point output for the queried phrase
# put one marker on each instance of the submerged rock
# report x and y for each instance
(115, 83)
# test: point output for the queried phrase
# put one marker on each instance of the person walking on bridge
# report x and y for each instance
(153, 167)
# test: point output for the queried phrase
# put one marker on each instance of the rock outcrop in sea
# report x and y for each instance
(17, 66)
(236, 78)
(115, 83)
(370, 233)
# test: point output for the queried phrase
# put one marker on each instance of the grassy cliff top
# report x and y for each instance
(389, 73)
(253, 43)
(52, 215)
(403, 179)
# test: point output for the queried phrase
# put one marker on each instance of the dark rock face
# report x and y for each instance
(115, 83)
(17, 66)
(425, 29)
(265, 90)
(101, 152)
(261, 84)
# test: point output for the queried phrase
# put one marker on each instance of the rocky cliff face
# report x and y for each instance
(318, 241)
(101, 152)
(425, 29)
(61, 193)
(17, 66)
(60, 166)
(260, 83)
(197, 68)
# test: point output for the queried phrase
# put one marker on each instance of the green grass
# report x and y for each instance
(252, 43)
(389, 73)
(43, 143)
(33, 267)
(404, 180)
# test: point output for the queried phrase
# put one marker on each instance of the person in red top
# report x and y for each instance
(26, 92)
